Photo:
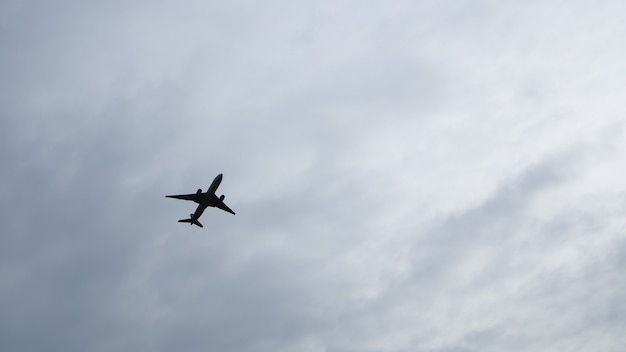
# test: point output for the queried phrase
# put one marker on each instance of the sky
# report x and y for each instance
(438, 176)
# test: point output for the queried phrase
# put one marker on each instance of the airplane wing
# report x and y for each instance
(192, 197)
(225, 207)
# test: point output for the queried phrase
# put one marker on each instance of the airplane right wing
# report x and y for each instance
(192, 197)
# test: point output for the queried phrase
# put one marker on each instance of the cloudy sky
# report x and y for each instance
(407, 175)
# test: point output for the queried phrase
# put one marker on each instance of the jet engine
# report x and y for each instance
(199, 191)
(222, 197)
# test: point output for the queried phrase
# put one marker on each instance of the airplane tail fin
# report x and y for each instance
(191, 222)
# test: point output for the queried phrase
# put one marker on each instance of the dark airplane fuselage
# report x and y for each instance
(207, 200)
(204, 200)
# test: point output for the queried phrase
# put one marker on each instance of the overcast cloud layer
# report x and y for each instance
(407, 175)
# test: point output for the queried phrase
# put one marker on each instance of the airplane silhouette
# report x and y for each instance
(204, 200)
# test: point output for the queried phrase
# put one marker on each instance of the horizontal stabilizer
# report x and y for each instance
(191, 221)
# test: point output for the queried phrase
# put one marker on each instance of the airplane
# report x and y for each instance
(204, 200)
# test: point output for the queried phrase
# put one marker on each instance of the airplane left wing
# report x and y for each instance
(192, 197)
(225, 207)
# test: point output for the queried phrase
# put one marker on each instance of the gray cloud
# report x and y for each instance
(406, 177)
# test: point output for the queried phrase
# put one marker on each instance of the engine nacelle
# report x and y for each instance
(199, 191)
(222, 198)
